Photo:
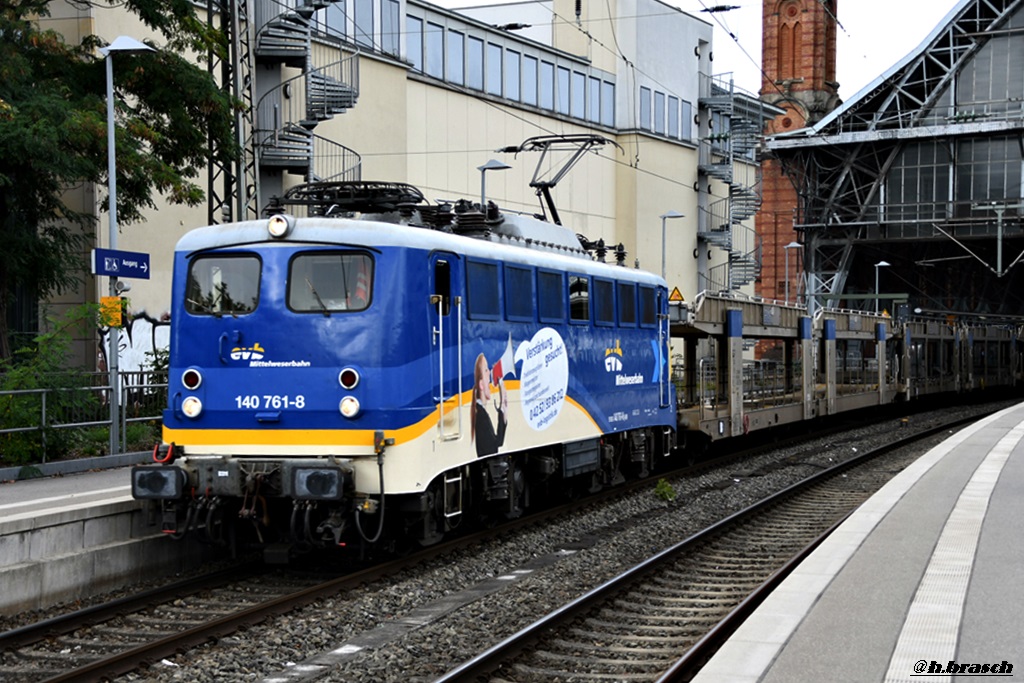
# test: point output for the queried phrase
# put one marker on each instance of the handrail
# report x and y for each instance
(50, 419)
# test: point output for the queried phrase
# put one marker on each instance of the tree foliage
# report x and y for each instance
(171, 119)
(44, 368)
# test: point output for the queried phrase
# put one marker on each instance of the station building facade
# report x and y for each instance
(407, 91)
(911, 194)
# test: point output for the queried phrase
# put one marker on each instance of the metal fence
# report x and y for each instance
(48, 417)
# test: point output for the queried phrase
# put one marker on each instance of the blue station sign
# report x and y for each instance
(117, 263)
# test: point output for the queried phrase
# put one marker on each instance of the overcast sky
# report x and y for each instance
(874, 35)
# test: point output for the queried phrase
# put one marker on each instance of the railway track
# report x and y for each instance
(135, 632)
(127, 635)
(663, 618)
(120, 635)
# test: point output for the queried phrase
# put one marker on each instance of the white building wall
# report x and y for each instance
(412, 128)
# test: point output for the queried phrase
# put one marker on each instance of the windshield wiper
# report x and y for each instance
(323, 307)
(205, 308)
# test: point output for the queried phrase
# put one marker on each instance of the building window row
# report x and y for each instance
(536, 80)
(939, 179)
(666, 115)
(373, 24)
(470, 61)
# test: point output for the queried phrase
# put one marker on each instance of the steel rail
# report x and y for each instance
(132, 658)
(489, 660)
(66, 623)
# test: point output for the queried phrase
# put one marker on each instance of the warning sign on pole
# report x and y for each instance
(676, 297)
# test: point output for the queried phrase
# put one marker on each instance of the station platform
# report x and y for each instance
(63, 538)
(43, 494)
(924, 581)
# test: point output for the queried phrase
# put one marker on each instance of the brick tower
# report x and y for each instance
(798, 64)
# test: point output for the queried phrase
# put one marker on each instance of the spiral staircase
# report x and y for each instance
(725, 228)
(287, 113)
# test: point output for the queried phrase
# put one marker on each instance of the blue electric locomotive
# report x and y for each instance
(385, 368)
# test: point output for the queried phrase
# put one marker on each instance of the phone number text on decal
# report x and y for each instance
(256, 402)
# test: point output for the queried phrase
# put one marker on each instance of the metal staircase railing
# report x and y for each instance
(717, 156)
(286, 115)
(737, 240)
(282, 31)
(745, 257)
(334, 162)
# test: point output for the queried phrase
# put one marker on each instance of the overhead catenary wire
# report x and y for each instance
(508, 109)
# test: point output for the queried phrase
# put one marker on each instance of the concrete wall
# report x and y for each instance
(84, 549)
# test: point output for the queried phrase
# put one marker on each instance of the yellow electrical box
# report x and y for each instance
(110, 311)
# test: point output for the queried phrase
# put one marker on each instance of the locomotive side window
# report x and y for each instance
(443, 284)
(627, 304)
(648, 307)
(482, 290)
(579, 298)
(604, 302)
(330, 281)
(223, 284)
(518, 293)
(550, 297)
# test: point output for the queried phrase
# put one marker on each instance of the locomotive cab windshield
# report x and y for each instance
(330, 281)
(219, 284)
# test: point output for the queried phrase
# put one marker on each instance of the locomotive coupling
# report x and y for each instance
(308, 481)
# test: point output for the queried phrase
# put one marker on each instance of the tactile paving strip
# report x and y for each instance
(933, 621)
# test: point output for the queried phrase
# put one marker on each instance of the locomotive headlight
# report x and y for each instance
(192, 406)
(349, 406)
(280, 225)
(348, 378)
(157, 483)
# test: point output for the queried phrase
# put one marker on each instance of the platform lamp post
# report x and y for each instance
(492, 165)
(878, 292)
(129, 45)
(664, 217)
(792, 245)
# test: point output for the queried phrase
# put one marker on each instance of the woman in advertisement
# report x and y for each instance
(488, 440)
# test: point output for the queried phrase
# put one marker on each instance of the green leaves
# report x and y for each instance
(171, 118)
